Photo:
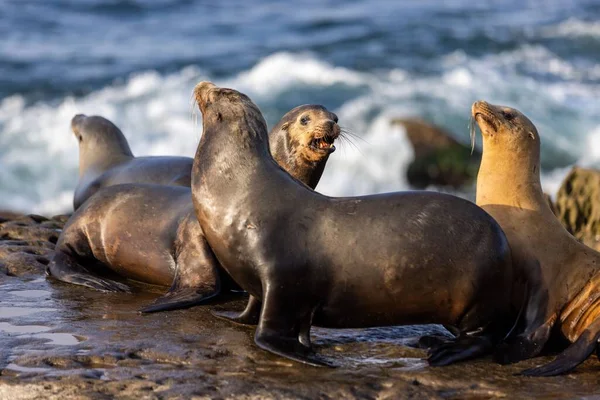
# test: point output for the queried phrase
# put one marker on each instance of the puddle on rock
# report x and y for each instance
(31, 294)
(22, 329)
(11, 312)
(18, 368)
(60, 339)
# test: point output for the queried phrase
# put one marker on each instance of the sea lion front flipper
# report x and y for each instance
(574, 355)
(249, 316)
(66, 269)
(181, 298)
(282, 318)
(463, 348)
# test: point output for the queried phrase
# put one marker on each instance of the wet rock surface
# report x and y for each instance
(578, 205)
(440, 160)
(63, 341)
(27, 242)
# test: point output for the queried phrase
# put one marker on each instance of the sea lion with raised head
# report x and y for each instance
(149, 233)
(559, 276)
(105, 159)
(304, 258)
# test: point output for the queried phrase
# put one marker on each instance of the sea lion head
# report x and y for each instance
(302, 141)
(98, 134)
(505, 127)
(227, 110)
(310, 128)
(510, 162)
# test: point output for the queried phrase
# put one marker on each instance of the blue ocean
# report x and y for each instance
(136, 62)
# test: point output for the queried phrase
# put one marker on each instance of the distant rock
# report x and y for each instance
(578, 205)
(439, 159)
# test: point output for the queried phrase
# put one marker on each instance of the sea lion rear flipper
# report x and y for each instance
(524, 346)
(196, 281)
(249, 316)
(66, 269)
(574, 355)
(180, 299)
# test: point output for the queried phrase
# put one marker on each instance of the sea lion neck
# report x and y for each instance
(509, 176)
(102, 156)
(307, 171)
(234, 144)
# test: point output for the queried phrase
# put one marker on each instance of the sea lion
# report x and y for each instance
(105, 159)
(562, 275)
(396, 258)
(149, 233)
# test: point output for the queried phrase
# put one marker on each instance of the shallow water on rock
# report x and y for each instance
(58, 340)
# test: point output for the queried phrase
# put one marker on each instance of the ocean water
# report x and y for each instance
(136, 62)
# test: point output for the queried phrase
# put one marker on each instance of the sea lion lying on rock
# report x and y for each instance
(105, 159)
(305, 258)
(149, 233)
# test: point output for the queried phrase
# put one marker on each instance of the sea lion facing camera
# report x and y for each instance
(395, 258)
(559, 276)
(105, 159)
(149, 233)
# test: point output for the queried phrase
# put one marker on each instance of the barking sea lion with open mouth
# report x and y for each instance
(149, 233)
(559, 276)
(305, 258)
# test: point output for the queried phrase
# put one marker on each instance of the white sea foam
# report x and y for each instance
(573, 27)
(39, 155)
(283, 71)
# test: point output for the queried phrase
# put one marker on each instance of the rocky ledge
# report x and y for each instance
(61, 341)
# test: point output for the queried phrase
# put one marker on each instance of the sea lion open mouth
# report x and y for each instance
(323, 143)
(324, 138)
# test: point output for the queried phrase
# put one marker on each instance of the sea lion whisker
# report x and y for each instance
(354, 135)
(472, 124)
(344, 139)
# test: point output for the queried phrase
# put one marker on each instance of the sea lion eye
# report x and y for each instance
(80, 138)
(508, 115)
(304, 120)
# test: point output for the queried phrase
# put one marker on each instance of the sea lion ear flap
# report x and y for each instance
(532, 135)
(285, 126)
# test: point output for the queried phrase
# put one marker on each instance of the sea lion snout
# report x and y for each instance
(204, 93)
(481, 107)
(485, 115)
(324, 135)
(76, 122)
